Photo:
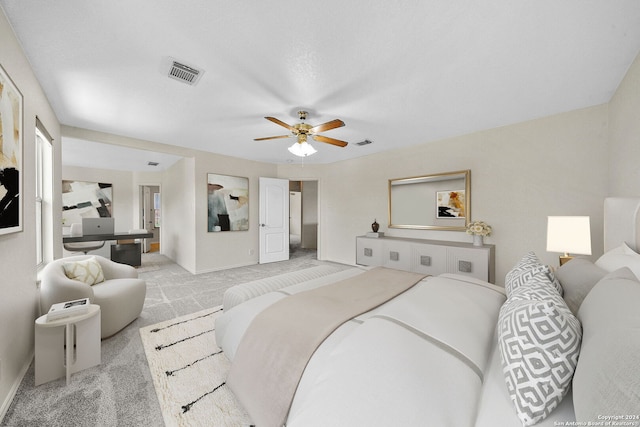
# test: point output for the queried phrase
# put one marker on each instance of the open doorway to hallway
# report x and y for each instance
(150, 216)
(303, 217)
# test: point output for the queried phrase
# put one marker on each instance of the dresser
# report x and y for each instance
(430, 257)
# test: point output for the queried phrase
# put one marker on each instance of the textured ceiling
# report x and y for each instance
(398, 73)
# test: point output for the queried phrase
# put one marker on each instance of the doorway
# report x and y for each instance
(150, 216)
(303, 217)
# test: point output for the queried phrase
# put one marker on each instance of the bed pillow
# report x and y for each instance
(622, 256)
(577, 278)
(538, 288)
(539, 342)
(526, 268)
(607, 380)
(87, 271)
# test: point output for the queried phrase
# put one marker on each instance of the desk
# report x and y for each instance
(105, 237)
(66, 345)
(128, 253)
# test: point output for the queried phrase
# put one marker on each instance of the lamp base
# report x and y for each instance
(565, 258)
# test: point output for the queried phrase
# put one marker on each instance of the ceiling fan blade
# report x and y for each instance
(337, 123)
(330, 140)
(283, 124)
(272, 137)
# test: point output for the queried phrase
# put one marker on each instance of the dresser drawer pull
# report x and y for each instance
(464, 266)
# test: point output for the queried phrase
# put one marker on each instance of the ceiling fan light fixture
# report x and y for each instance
(302, 149)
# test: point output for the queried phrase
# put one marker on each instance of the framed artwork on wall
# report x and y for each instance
(11, 145)
(86, 199)
(450, 204)
(228, 203)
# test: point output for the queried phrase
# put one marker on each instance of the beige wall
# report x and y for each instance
(124, 191)
(217, 251)
(178, 214)
(19, 301)
(520, 174)
(624, 136)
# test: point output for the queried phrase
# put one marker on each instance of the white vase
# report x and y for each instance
(477, 240)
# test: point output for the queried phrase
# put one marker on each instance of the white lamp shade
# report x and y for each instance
(302, 149)
(569, 234)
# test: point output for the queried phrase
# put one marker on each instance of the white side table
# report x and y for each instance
(67, 345)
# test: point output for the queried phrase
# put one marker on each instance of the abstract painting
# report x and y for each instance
(228, 203)
(450, 204)
(85, 199)
(10, 155)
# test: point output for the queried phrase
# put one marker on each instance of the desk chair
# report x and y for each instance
(76, 230)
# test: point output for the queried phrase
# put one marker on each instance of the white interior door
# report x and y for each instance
(274, 220)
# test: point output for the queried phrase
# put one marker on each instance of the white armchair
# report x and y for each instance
(120, 296)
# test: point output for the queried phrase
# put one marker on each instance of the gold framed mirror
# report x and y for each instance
(439, 201)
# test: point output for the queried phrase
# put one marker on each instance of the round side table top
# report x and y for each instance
(92, 311)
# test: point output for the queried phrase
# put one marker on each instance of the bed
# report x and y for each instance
(454, 351)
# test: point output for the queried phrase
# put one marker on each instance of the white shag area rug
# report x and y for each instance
(189, 372)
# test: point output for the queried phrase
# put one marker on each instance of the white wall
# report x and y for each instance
(217, 251)
(19, 301)
(520, 174)
(624, 136)
(310, 214)
(178, 212)
(124, 191)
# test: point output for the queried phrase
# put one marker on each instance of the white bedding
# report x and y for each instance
(414, 360)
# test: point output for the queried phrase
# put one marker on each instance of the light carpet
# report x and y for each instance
(189, 372)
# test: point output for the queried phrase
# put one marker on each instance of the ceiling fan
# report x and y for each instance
(303, 130)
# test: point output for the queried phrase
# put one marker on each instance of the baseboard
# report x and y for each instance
(14, 388)
(226, 267)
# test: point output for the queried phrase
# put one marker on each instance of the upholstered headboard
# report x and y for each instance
(621, 222)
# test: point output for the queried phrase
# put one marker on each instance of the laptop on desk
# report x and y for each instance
(97, 226)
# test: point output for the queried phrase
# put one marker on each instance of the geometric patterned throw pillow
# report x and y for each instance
(539, 288)
(525, 269)
(88, 271)
(539, 343)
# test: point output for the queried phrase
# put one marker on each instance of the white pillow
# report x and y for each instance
(524, 270)
(87, 271)
(607, 380)
(622, 256)
(578, 277)
(539, 342)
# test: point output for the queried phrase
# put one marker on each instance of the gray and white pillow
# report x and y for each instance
(524, 270)
(539, 341)
(538, 288)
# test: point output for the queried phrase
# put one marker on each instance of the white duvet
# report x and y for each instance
(417, 360)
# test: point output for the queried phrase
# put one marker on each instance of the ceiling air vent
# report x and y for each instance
(184, 73)
(153, 163)
(365, 142)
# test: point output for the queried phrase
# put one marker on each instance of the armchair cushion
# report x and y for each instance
(88, 271)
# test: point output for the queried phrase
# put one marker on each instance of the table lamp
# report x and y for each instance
(568, 234)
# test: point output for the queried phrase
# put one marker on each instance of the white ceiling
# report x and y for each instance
(397, 72)
(96, 155)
